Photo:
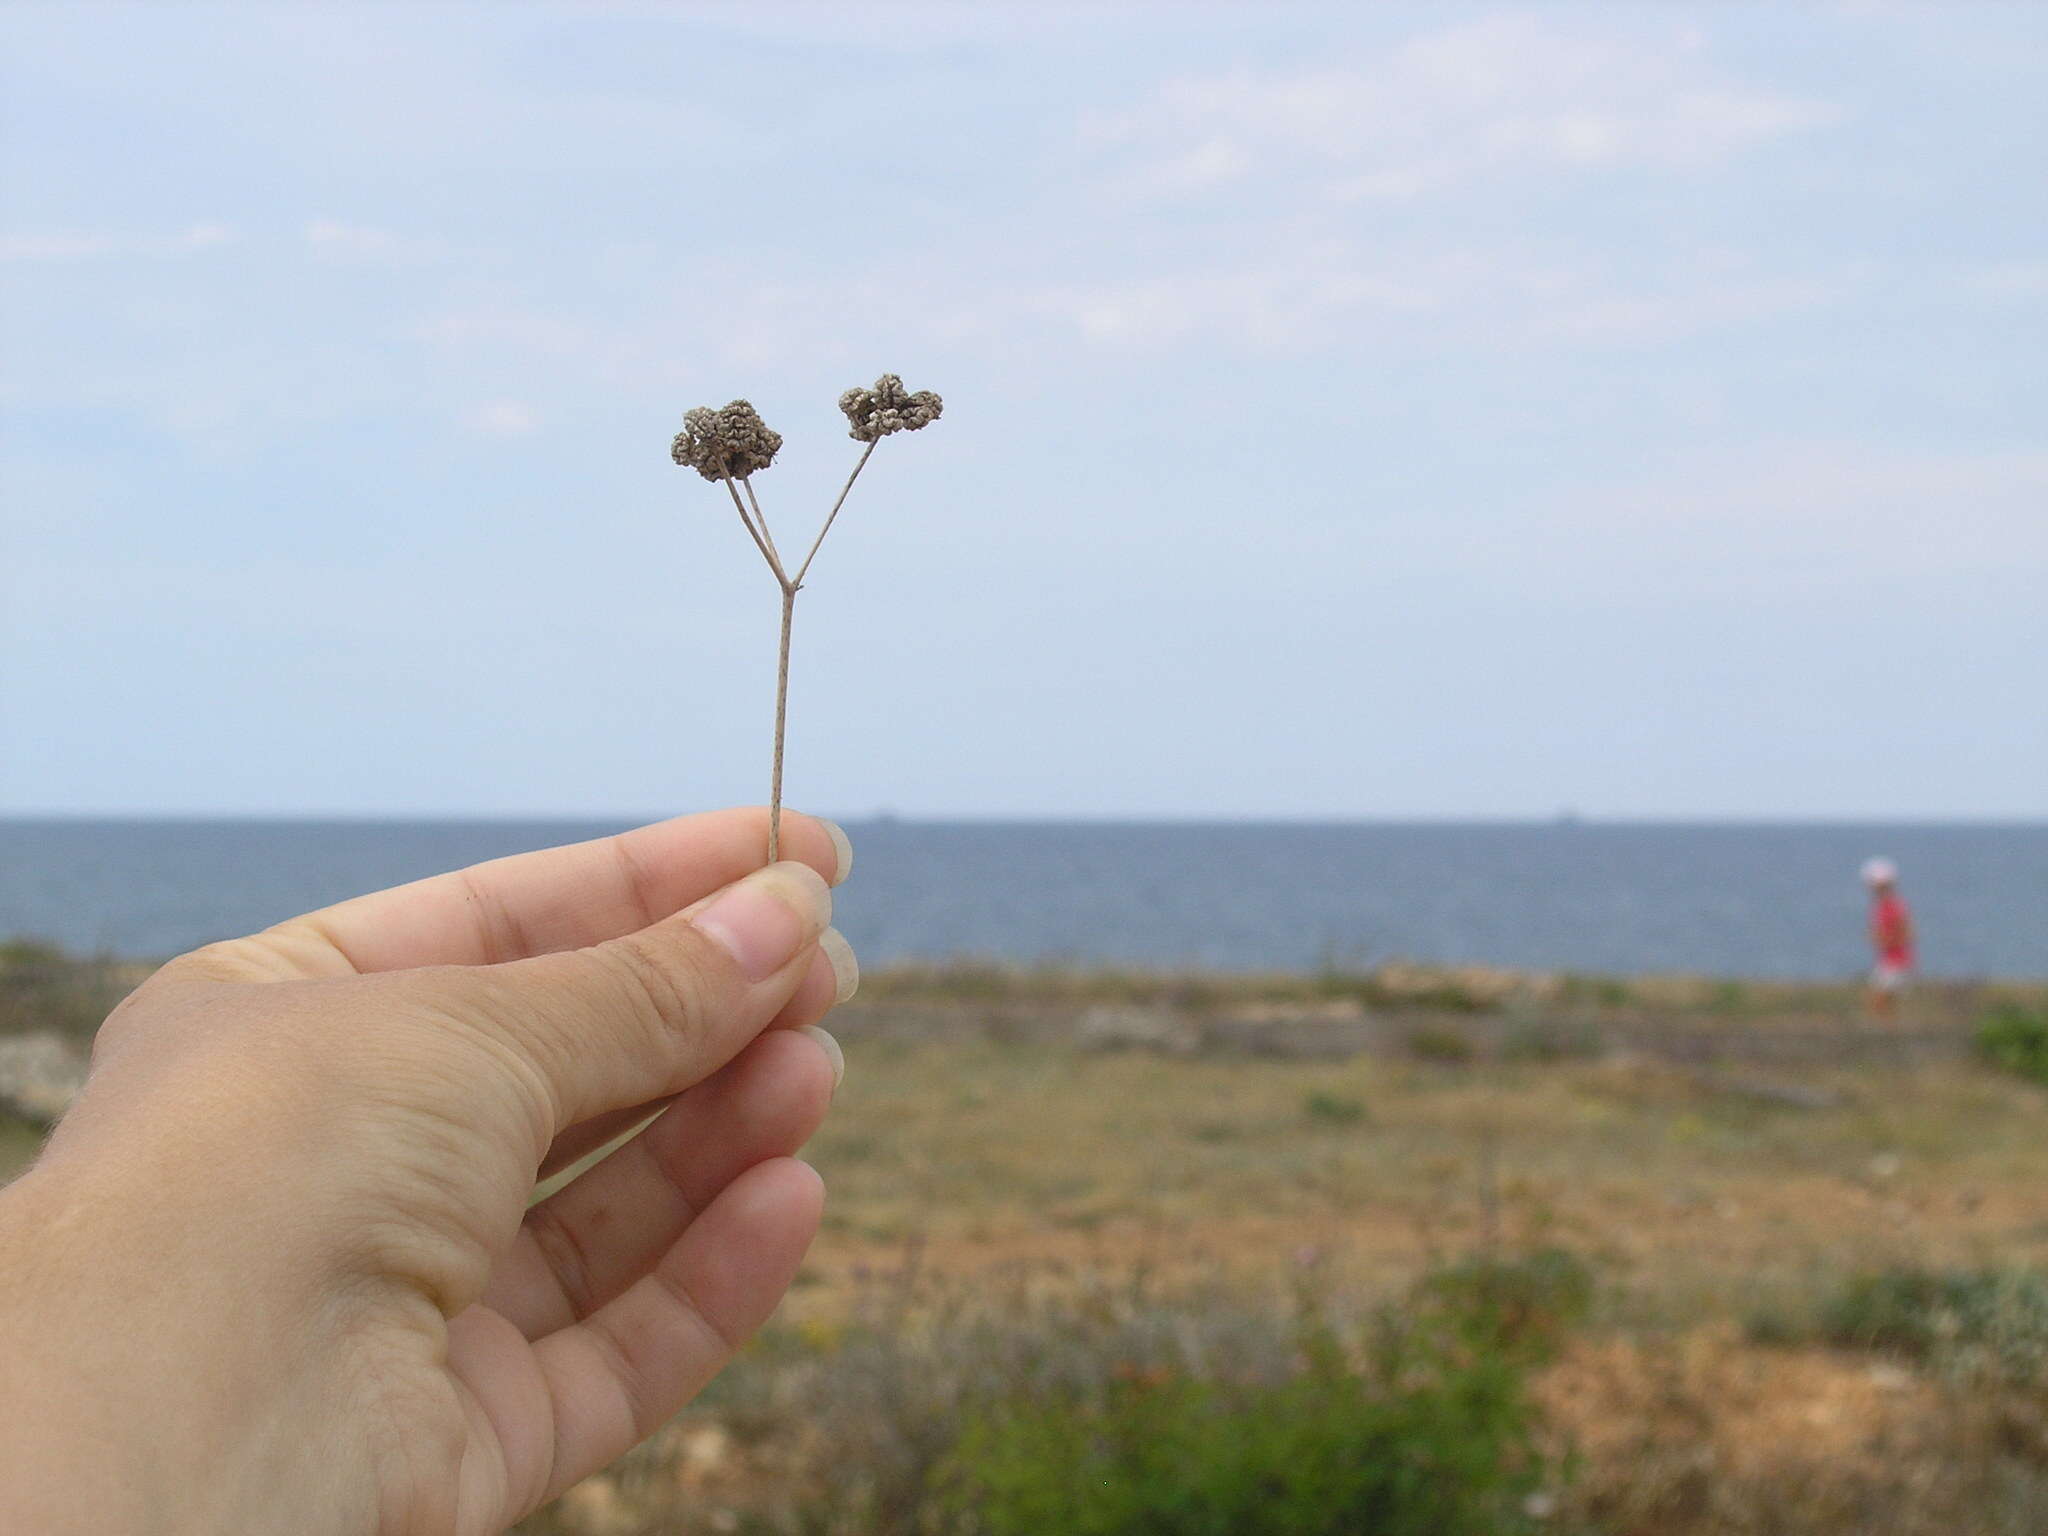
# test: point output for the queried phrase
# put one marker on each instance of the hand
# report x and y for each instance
(276, 1271)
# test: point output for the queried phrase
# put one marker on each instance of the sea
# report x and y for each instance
(1739, 900)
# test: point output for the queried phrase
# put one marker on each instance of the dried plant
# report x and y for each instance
(731, 443)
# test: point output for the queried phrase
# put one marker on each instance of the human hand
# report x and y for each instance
(276, 1271)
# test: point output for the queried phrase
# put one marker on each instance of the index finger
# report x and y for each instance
(558, 898)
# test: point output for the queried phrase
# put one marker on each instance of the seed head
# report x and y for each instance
(888, 407)
(732, 440)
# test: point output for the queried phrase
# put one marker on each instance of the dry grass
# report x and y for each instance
(1705, 1197)
(991, 1151)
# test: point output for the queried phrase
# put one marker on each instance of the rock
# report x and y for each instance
(1329, 1010)
(1675, 993)
(1295, 1037)
(1771, 1091)
(702, 1451)
(40, 1074)
(594, 1508)
(1477, 988)
(1104, 1028)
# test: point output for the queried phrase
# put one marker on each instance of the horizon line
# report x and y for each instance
(1560, 819)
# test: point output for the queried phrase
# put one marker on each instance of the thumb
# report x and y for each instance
(648, 1014)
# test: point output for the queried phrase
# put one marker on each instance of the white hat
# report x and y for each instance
(1879, 872)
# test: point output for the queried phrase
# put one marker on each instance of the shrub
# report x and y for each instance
(41, 987)
(27, 954)
(1334, 1109)
(1728, 997)
(1431, 1437)
(1601, 991)
(1110, 1409)
(2015, 1038)
(1969, 1319)
(1434, 1042)
(1520, 1308)
(1553, 1040)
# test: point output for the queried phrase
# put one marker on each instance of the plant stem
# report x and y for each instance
(757, 526)
(767, 549)
(761, 518)
(781, 714)
(865, 456)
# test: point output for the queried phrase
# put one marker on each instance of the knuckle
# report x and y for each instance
(668, 982)
(223, 961)
(473, 1037)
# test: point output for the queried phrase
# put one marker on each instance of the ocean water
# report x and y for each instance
(1737, 900)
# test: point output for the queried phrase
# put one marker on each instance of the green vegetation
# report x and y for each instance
(1418, 1434)
(1549, 1040)
(1598, 991)
(2015, 1038)
(1334, 1109)
(1520, 1308)
(41, 987)
(1995, 1318)
(1441, 1043)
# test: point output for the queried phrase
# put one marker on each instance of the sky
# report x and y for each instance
(1362, 412)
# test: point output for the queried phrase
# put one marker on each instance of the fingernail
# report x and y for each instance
(845, 968)
(842, 846)
(832, 1052)
(763, 921)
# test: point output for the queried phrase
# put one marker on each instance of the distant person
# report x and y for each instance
(1891, 936)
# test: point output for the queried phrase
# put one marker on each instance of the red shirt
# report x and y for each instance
(1891, 930)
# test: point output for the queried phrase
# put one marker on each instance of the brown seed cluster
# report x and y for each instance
(888, 407)
(732, 441)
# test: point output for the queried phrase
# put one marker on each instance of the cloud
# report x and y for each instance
(1802, 518)
(70, 246)
(2014, 282)
(500, 318)
(334, 240)
(501, 418)
(1290, 301)
(1338, 292)
(1509, 92)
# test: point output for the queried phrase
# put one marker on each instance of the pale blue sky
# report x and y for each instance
(1352, 411)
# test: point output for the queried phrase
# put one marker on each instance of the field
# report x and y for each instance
(1769, 1268)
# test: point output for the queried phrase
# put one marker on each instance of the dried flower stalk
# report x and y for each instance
(729, 444)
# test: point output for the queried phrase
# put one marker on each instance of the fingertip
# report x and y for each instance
(796, 1073)
(845, 966)
(813, 997)
(825, 1042)
(805, 1182)
(842, 850)
(814, 884)
(780, 1202)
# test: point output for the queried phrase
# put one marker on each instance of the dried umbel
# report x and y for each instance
(729, 444)
(888, 407)
(726, 444)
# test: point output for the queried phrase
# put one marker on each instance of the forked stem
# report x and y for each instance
(757, 528)
(763, 544)
(761, 520)
(866, 454)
